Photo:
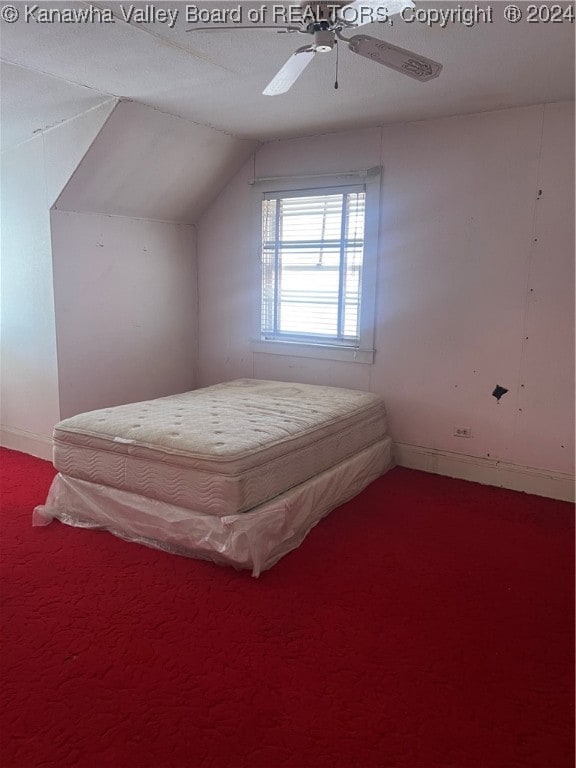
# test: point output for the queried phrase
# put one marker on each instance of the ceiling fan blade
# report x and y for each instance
(290, 72)
(362, 12)
(411, 64)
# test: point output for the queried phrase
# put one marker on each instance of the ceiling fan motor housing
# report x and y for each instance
(322, 24)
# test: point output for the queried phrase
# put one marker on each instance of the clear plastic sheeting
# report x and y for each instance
(253, 540)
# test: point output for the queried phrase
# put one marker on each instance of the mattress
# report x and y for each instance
(256, 539)
(221, 450)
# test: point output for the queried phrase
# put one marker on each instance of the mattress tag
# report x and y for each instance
(122, 440)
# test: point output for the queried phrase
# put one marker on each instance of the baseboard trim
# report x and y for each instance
(541, 482)
(26, 442)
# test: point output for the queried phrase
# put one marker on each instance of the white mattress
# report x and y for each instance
(223, 449)
(256, 539)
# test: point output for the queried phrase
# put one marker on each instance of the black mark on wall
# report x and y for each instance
(498, 392)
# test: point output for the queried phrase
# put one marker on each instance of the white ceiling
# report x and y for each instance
(53, 71)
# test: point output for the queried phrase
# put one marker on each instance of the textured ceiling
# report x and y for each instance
(31, 102)
(59, 69)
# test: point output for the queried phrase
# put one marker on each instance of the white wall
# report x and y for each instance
(545, 417)
(124, 257)
(29, 367)
(125, 292)
(32, 176)
(471, 263)
(101, 309)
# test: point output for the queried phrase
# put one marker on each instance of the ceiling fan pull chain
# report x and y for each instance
(337, 52)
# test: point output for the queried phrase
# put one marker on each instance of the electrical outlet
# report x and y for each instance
(462, 431)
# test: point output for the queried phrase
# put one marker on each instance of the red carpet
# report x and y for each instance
(428, 623)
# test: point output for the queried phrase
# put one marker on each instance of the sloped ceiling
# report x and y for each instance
(216, 78)
(32, 102)
(66, 146)
(150, 165)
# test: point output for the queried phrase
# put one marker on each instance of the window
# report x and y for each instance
(317, 266)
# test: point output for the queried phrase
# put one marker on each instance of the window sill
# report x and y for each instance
(316, 351)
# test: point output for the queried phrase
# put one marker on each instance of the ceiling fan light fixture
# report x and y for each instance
(323, 41)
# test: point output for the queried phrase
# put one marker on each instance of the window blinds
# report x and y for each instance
(312, 249)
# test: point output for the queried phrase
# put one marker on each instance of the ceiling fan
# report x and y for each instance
(325, 22)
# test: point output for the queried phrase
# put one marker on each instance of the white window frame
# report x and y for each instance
(363, 352)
